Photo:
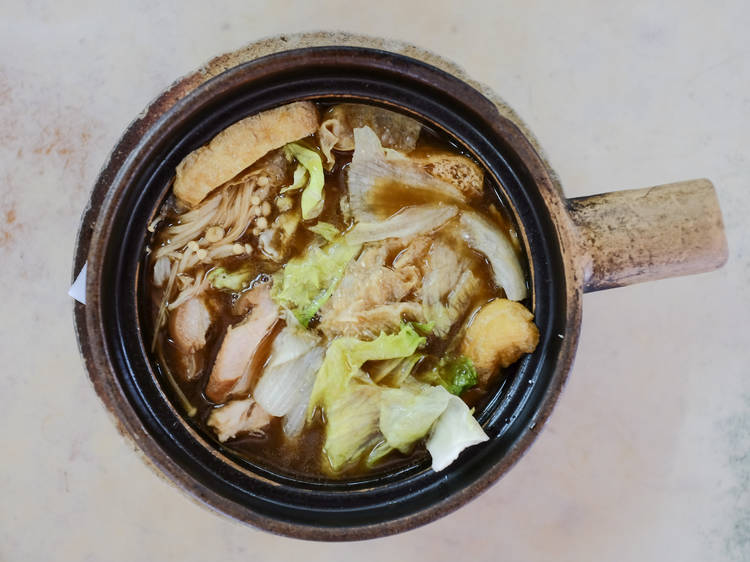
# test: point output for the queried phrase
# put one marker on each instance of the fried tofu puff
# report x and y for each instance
(498, 335)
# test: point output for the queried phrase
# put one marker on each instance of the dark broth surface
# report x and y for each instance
(273, 449)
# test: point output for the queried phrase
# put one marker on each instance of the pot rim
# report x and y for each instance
(98, 362)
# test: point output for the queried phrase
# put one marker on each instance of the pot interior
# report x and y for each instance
(382, 502)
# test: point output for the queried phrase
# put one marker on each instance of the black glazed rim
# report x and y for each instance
(324, 73)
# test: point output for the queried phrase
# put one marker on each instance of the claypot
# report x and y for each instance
(574, 246)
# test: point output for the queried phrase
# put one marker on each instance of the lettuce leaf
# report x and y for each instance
(312, 196)
(407, 413)
(325, 229)
(345, 357)
(364, 418)
(220, 278)
(455, 430)
(381, 449)
(352, 424)
(349, 399)
(305, 283)
(424, 328)
(299, 180)
(455, 374)
(394, 372)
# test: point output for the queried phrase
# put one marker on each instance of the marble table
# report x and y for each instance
(647, 456)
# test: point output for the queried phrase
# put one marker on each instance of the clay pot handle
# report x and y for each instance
(637, 235)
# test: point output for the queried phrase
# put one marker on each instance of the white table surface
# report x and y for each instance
(647, 456)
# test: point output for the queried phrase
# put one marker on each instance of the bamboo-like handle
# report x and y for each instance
(638, 235)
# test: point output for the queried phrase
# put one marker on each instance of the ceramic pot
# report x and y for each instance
(573, 246)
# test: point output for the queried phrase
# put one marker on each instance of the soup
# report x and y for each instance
(333, 288)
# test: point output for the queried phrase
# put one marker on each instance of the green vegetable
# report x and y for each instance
(349, 399)
(364, 418)
(325, 229)
(300, 178)
(220, 278)
(352, 424)
(345, 357)
(379, 370)
(455, 374)
(407, 413)
(307, 282)
(424, 328)
(394, 372)
(454, 430)
(381, 449)
(312, 196)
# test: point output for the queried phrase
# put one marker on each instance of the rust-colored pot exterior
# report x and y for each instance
(590, 243)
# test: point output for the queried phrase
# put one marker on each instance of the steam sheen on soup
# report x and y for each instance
(333, 288)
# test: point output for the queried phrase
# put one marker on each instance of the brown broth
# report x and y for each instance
(303, 457)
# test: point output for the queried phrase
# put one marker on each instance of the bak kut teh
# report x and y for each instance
(333, 288)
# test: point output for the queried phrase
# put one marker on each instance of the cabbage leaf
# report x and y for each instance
(455, 374)
(345, 357)
(286, 382)
(372, 167)
(489, 240)
(365, 418)
(407, 413)
(325, 229)
(352, 424)
(299, 180)
(394, 372)
(307, 282)
(349, 399)
(455, 430)
(220, 278)
(406, 223)
(312, 196)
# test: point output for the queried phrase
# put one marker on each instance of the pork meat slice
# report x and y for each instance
(188, 324)
(238, 417)
(236, 364)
